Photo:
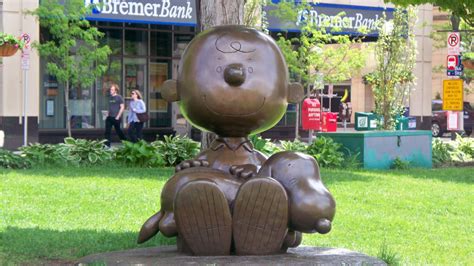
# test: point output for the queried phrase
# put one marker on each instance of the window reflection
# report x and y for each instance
(136, 42)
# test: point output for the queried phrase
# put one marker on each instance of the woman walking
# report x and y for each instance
(137, 105)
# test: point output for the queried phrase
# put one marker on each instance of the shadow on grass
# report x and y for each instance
(29, 244)
(455, 175)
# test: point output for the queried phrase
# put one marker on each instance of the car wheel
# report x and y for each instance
(436, 130)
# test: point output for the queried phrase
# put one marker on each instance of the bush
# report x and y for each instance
(466, 145)
(42, 154)
(295, 145)
(263, 145)
(84, 152)
(441, 151)
(400, 164)
(139, 154)
(327, 152)
(13, 161)
(176, 149)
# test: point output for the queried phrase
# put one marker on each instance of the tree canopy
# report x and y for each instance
(461, 8)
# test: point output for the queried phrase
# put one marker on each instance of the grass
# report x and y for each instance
(410, 216)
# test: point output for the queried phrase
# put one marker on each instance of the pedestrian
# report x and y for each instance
(116, 108)
(135, 126)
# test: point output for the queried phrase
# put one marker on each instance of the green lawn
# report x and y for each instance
(423, 216)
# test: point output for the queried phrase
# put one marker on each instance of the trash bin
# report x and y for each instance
(401, 123)
(329, 122)
(365, 121)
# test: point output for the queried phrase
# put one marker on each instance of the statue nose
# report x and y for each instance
(234, 74)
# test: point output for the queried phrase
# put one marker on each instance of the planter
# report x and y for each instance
(378, 149)
(8, 50)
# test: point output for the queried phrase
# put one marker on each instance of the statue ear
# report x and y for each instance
(169, 91)
(295, 92)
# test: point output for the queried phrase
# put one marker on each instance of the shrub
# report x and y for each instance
(295, 145)
(42, 154)
(352, 161)
(441, 151)
(400, 164)
(466, 145)
(82, 151)
(139, 154)
(263, 145)
(13, 161)
(327, 152)
(176, 149)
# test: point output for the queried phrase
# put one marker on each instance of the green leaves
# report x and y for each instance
(395, 52)
(316, 50)
(139, 154)
(11, 160)
(327, 152)
(175, 149)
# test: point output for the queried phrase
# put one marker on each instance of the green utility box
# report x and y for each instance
(365, 121)
(377, 149)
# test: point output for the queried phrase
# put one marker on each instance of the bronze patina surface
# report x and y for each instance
(231, 199)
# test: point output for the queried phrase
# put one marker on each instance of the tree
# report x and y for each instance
(73, 53)
(316, 53)
(460, 8)
(395, 53)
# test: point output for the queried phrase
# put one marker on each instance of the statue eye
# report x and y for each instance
(219, 69)
(250, 69)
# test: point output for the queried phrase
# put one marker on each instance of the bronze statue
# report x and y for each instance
(233, 81)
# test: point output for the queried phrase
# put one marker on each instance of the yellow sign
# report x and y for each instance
(453, 95)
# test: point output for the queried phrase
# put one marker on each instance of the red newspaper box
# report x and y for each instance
(329, 122)
(311, 114)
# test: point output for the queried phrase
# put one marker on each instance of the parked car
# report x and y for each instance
(439, 118)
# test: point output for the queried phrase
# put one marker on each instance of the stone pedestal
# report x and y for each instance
(168, 255)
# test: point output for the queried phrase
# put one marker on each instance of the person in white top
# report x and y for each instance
(137, 105)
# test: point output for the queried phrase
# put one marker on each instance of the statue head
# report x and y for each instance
(233, 81)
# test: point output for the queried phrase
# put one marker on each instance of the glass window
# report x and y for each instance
(136, 25)
(136, 42)
(160, 27)
(112, 76)
(160, 44)
(159, 109)
(180, 43)
(81, 107)
(113, 38)
(52, 108)
(109, 24)
(184, 28)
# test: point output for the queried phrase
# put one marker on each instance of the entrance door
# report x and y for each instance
(134, 79)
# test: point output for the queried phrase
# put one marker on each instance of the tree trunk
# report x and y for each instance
(214, 13)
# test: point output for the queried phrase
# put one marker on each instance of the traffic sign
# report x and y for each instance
(454, 43)
(453, 95)
(454, 66)
(25, 59)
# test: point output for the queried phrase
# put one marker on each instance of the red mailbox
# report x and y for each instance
(311, 114)
(329, 122)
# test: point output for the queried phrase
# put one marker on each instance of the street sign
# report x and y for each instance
(454, 120)
(454, 43)
(25, 59)
(454, 66)
(453, 95)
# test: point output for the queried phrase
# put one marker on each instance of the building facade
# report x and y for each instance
(147, 38)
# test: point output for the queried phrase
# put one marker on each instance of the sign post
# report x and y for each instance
(25, 65)
(453, 89)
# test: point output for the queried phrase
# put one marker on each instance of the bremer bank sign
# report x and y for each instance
(350, 19)
(176, 12)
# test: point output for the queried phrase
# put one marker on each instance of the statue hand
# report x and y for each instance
(191, 163)
(244, 171)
